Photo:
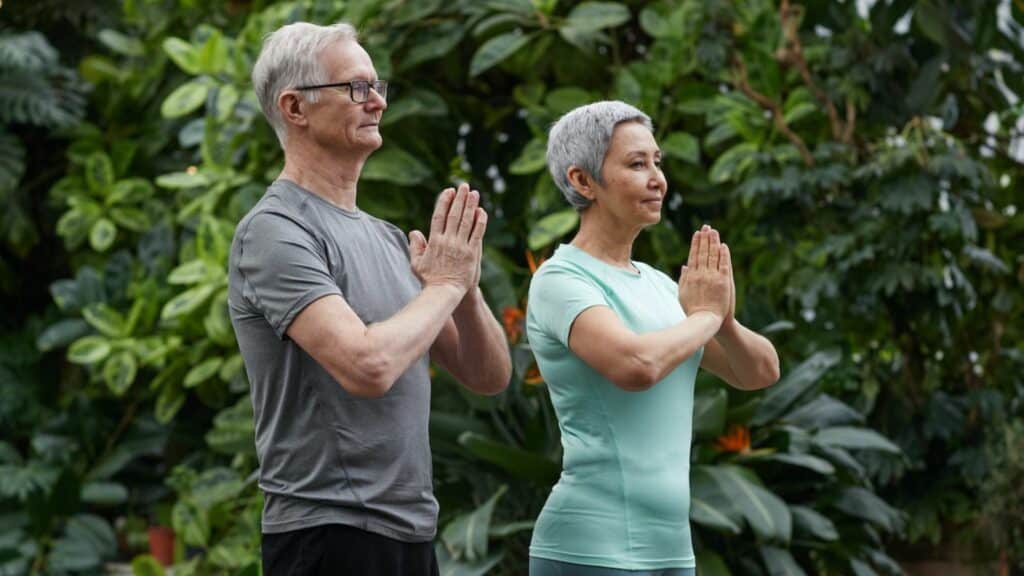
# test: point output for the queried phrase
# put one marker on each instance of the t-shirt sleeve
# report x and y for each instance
(284, 269)
(557, 296)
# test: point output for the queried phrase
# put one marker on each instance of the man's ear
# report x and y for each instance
(581, 181)
(292, 107)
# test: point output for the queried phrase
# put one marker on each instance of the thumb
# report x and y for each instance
(417, 243)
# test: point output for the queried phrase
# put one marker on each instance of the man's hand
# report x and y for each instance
(705, 284)
(452, 255)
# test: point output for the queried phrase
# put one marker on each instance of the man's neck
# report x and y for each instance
(333, 177)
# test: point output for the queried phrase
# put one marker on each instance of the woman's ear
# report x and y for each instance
(291, 107)
(581, 181)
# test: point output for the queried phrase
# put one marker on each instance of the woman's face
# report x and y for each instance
(634, 185)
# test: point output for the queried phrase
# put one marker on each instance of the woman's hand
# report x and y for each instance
(705, 283)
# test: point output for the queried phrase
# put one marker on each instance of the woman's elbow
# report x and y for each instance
(636, 376)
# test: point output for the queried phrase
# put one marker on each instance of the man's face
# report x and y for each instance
(336, 122)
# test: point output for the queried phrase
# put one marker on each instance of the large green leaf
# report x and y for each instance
(807, 461)
(62, 333)
(437, 41)
(119, 371)
(733, 162)
(864, 504)
(122, 44)
(810, 522)
(552, 227)
(183, 54)
(495, 50)
(780, 562)
(397, 166)
(531, 159)
(852, 438)
(187, 301)
(105, 319)
(766, 513)
(191, 522)
(682, 146)
(104, 493)
(711, 564)
(102, 235)
(467, 535)
(450, 566)
(519, 463)
(185, 99)
(709, 413)
(99, 173)
(821, 412)
(146, 565)
(89, 350)
(793, 385)
(212, 56)
(170, 400)
(203, 371)
(182, 180)
(594, 16)
(216, 485)
(415, 102)
(712, 517)
(191, 272)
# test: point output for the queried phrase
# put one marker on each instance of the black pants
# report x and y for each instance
(338, 550)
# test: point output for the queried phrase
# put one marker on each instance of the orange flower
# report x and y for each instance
(737, 440)
(533, 376)
(512, 319)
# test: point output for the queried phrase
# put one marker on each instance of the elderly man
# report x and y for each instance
(337, 316)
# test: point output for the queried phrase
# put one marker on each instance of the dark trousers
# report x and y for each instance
(338, 550)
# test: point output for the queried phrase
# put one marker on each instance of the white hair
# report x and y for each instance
(290, 57)
(581, 138)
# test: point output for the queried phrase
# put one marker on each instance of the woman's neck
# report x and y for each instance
(606, 239)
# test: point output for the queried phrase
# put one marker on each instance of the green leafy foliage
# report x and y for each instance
(871, 214)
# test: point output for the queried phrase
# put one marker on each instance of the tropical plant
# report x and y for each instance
(859, 160)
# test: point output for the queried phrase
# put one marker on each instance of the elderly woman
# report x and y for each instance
(619, 344)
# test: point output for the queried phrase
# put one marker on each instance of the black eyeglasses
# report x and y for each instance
(358, 90)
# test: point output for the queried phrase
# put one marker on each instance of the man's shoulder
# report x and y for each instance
(276, 212)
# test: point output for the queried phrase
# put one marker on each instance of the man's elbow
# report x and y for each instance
(373, 377)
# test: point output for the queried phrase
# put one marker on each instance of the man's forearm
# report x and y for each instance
(409, 334)
(751, 356)
(483, 361)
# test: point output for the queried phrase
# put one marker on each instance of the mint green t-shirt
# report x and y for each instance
(623, 498)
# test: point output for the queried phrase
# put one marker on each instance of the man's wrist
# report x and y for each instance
(451, 290)
(469, 301)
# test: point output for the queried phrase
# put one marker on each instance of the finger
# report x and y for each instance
(455, 212)
(725, 259)
(705, 247)
(479, 227)
(468, 214)
(417, 243)
(691, 260)
(682, 275)
(444, 202)
(715, 245)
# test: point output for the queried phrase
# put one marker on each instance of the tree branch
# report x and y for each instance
(743, 84)
(793, 54)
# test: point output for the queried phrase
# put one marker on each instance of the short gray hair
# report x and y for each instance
(581, 138)
(291, 57)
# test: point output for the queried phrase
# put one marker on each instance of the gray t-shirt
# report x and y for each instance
(326, 456)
